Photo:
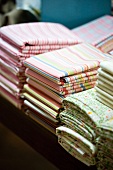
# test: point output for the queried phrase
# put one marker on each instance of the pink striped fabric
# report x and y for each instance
(8, 96)
(19, 81)
(66, 88)
(13, 89)
(61, 63)
(33, 34)
(96, 31)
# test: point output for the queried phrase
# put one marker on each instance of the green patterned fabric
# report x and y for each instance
(105, 145)
(76, 145)
(86, 108)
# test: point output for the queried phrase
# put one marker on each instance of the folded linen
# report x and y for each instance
(104, 88)
(40, 121)
(107, 66)
(18, 71)
(103, 84)
(67, 81)
(14, 89)
(40, 113)
(42, 97)
(41, 105)
(76, 145)
(98, 32)
(105, 129)
(105, 80)
(87, 108)
(57, 97)
(104, 101)
(19, 81)
(105, 94)
(38, 33)
(57, 65)
(105, 74)
(12, 99)
(105, 145)
(76, 124)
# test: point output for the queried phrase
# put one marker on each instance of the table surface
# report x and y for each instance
(39, 138)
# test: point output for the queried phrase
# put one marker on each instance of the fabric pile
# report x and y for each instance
(105, 145)
(82, 114)
(21, 41)
(104, 84)
(98, 32)
(54, 75)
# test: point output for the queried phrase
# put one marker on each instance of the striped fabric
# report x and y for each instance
(42, 97)
(21, 41)
(98, 32)
(11, 98)
(65, 62)
(26, 35)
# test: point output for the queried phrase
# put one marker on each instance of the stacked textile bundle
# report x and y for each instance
(82, 114)
(98, 32)
(54, 75)
(20, 41)
(105, 145)
(104, 84)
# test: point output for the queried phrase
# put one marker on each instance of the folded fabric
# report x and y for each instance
(19, 81)
(40, 113)
(106, 45)
(105, 80)
(43, 97)
(107, 66)
(96, 31)
(41, 105)
(105, 145)
(104, 88)
(75, 84)
(38, 33)
(18, 71)
(14, 89)
(104, 100)
(12, 99)
(105, 74)
(105, 94)
(65, 91)
(87, 108)
(41, 122)
(102, 83)
(105, 129)
(55, 96)
(76, 145)
(61, 63)
(73, 122)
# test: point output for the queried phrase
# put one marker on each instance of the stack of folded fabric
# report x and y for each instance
(21, 41)
(82, 114)
(54, 75)
(98, 32)
(104, 84)
(105, 145)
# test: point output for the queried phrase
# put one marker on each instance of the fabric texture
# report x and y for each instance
(98, 32)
